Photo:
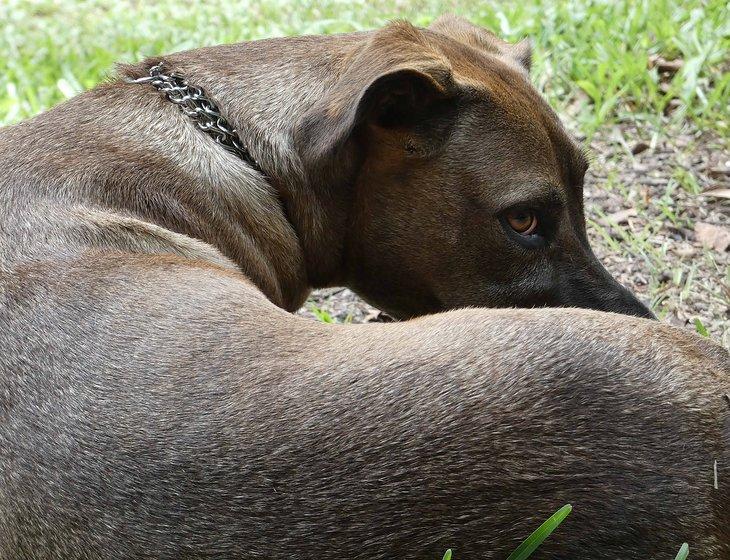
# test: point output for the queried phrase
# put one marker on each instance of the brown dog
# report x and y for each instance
(155, 403)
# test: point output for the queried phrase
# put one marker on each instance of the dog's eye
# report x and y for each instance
(522, 220)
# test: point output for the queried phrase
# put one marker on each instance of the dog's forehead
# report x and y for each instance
(508, 95)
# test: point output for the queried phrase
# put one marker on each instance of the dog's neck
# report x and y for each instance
(285, 231)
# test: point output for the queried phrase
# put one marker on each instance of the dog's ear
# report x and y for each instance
(397, 91)
(522, 53)
(477, 37)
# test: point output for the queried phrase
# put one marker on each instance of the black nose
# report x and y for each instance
(621, 300)
(614, 299)
(595, 288)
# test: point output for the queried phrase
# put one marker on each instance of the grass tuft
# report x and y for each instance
(700, 328)
(530, 544)
(683, 552)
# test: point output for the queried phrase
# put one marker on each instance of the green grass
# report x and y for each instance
(538, 536)
(322, 315)
(590, 56)
(530, 544)
(700, 328)
(683, 553)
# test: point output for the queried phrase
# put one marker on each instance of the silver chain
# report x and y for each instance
(193, 102)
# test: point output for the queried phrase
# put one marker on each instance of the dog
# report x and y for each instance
(418, 167)
(158, 400)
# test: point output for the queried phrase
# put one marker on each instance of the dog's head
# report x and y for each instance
(466, 189)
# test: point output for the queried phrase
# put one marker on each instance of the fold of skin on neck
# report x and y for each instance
(129, 158)
(305, 222)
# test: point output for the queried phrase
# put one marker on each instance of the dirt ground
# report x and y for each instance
(658, 218)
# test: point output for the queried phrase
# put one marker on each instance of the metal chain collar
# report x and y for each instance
(193, 102)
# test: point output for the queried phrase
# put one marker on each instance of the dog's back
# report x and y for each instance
(193, 431)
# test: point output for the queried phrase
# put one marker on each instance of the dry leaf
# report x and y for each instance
(713, 236)
(645, 195)
(639, 147)
(685, 250)
(664, 65)
(672, 106)
(718, 172)
(718, 193)
(620, 217)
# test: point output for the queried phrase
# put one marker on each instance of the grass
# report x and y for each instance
(531, 543)
(322, 315)
(591, 56)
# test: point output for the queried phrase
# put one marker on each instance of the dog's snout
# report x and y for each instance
(595, 288)
(621, 300)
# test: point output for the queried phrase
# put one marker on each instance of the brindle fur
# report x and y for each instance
(156, 399)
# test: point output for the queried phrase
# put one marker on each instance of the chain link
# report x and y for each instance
(193, 102)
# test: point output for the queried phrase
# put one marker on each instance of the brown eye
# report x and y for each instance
(522, 220)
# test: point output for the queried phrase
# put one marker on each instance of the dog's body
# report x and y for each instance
(155, 403)
(264, 435)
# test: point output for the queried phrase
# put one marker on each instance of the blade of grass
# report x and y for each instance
(683, 552)
(322, 315)
(530, 544)
(700, 328)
